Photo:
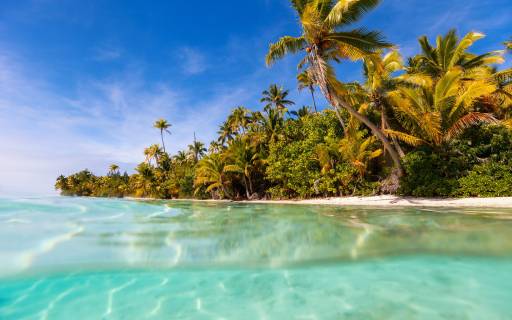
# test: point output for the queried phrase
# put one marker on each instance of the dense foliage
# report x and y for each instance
(435, 125)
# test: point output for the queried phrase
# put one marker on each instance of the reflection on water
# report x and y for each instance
(135, 260)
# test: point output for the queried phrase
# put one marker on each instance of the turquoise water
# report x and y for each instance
(71, 258)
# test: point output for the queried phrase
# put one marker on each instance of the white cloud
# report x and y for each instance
(106, 121)
(192, 61)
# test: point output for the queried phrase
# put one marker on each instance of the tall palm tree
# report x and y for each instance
(162, 125)
(197, 149)
(275, 98)
(439, 111)
(305, 80)
(324, 40)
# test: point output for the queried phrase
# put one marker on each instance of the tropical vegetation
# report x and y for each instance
(435, 124)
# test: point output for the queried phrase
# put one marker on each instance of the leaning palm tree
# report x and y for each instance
(162, 125)
(276, 97)
(323, 40)
(305, 80)
(439, 111)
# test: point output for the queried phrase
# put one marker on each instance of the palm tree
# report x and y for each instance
(439, 111)
(272, 123)
(153, 152)
(450, 52)
(210, 172)
(225, 132)
(162, 125)
(62, 184)
(357, 149)
(239, 119)
(197, 149)
(113, 169)
(378, 72)
(275, 98)
(242, 159)
(305, 80)
(180, 157)
(215, 147)
(302, 112)
(144, 180)
(323, 40)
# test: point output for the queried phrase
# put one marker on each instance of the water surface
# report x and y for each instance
(120, 259)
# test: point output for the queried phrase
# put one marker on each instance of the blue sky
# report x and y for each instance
(81, 82)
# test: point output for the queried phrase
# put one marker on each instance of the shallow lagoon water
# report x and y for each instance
(74, 258)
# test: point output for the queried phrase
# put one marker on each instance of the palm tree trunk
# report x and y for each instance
(321, 77)
(162, 136)
(250, 185)
(340, 119)
(313, 97)
(385, 125)
(224, 189)
(246, 188)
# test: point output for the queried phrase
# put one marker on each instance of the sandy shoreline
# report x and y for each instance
(385, 201)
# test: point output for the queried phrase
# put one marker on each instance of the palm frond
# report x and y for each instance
(360, 41)
(404, 137)
(469, 39)
(284, 46)
(347, 11)
(467, 121)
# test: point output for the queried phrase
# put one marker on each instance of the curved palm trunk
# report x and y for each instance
(321, 77)
(385, 125)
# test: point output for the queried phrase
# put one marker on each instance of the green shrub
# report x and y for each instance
(293, 170)
(430, 174)
(490, 179)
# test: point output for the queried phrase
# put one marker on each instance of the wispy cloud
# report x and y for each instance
(106, 53)
(46, 133)
(192, 61)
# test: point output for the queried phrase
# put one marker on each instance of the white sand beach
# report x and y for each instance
(397, 201)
